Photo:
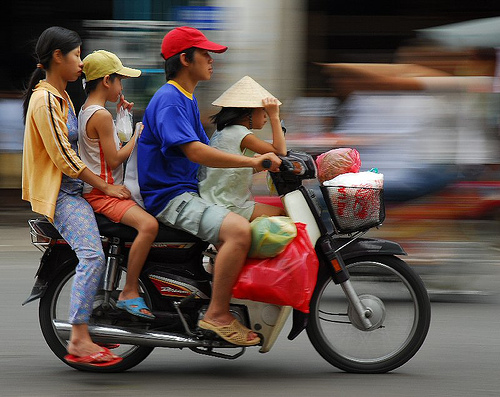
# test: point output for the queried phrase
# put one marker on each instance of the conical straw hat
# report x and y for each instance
(246, 93)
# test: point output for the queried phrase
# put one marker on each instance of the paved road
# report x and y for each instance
(459, 358)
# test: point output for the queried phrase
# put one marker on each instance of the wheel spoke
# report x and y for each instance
(326, 316)
(400, 315)
(60, 309)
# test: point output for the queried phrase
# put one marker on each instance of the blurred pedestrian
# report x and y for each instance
(172, 146)
(245, 107)
(52, 180)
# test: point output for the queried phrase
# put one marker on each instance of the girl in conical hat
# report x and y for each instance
(246, 106)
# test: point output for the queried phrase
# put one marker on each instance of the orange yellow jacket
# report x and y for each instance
(47, 153)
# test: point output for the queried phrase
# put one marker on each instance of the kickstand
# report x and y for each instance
(300, 320)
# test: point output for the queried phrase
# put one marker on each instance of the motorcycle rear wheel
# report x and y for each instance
(402, 313)
(54, 305)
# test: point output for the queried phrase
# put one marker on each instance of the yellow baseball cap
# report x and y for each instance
(101, 63)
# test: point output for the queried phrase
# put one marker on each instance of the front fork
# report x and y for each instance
(340, 275)
(111, 276)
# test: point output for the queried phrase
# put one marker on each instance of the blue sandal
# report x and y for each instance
(134, 307)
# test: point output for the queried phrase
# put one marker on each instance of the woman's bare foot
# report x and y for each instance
(83, 348)
(81, 344)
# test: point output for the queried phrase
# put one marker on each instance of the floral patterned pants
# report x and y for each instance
(74, 219)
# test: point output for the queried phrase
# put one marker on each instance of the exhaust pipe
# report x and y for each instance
(112, 334)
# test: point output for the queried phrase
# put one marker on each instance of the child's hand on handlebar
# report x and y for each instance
(274, 166)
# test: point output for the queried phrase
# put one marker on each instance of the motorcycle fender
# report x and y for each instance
(368, 246)
(52, 260)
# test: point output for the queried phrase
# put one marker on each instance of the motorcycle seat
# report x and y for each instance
(125, 233)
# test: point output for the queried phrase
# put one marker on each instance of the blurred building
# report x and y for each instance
(278, 42)
(266, 40)
(436, 141)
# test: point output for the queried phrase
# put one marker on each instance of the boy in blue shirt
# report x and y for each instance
(172, 146)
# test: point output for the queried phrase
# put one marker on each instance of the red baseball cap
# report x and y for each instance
(184, 37)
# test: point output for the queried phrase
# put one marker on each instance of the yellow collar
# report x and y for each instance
(176, 84)
(43, 85)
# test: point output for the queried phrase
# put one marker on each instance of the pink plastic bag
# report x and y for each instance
(336, 162)
(286, 280)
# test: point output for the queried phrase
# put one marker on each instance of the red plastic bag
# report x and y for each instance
(336, 162)
(286, 280)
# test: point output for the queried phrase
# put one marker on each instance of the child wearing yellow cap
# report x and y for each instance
(101, 151)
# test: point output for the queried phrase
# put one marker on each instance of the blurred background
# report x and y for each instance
(413, 86)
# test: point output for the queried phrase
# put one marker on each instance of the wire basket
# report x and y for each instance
(354, 209)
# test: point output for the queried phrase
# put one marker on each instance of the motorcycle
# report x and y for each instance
(369, 312)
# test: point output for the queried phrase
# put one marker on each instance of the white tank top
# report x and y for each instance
(91, 152)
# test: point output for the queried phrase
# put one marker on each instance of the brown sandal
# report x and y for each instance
(234, 333)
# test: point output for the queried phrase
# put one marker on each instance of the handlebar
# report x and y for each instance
(295, 167)
(286, 165)
(266, 164)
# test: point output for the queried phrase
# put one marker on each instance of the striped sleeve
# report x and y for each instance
(54, 134)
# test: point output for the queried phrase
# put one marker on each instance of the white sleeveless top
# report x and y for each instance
(229, 187)
(91, 152)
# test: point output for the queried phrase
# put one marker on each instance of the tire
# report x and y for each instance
(55, 304)
(400, 327)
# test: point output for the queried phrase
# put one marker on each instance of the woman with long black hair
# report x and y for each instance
(53, 175)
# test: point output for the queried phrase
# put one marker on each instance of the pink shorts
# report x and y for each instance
(111, 207)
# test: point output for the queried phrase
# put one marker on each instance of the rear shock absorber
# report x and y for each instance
(110, 276)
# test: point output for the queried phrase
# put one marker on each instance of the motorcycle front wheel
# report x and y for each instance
(54, 306)
(395, 295)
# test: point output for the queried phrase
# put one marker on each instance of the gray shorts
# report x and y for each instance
(189, 212)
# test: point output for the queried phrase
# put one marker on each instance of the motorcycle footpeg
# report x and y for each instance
(211, 336)
(207, 334)
(214, 340)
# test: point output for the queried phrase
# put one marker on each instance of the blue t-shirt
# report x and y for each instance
(171, 119)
